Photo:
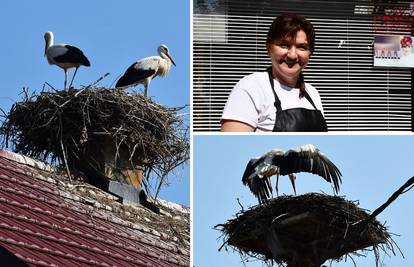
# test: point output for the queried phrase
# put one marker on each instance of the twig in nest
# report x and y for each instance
(64, 158)
(241, 206)
(51, 87)
(99, 79)
(4, 113)
(393, 197)
(117, 77)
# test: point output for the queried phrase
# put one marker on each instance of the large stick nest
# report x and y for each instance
(310, 228)
(53, 125)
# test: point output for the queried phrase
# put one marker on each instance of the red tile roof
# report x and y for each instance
(47, 220)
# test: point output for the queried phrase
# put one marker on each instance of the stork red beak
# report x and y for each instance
(170, 57)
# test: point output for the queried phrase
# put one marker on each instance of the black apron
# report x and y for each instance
(297, 119)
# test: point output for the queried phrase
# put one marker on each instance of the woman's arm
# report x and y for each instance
(236, 126)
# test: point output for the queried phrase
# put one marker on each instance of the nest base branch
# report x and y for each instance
(289, 222)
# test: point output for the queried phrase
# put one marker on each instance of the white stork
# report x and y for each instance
(64, 56)
(306, 158)
(144, 70)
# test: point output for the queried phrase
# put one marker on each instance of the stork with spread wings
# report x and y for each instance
(306, 158)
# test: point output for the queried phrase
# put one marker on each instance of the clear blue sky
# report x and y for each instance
(373, 167)
(112, 34)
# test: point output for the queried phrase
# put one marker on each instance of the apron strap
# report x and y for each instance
(277, 102)
(310, 99)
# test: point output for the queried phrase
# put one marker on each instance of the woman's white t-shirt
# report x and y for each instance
(252, 101)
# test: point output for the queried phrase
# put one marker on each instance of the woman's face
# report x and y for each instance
(289, 57)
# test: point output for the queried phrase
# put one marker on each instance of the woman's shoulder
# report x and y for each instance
(311, 89)
(252, 78)
(252, 81)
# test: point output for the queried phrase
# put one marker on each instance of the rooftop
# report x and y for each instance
(47, 219)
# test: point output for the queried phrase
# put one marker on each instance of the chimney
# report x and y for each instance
(111, 168)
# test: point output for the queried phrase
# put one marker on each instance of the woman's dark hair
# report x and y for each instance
(286, 26)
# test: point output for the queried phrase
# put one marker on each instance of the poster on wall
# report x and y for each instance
(394, 51)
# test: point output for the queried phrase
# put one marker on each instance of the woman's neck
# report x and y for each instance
(293, 83)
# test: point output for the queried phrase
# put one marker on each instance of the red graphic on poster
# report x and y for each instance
(406, 41)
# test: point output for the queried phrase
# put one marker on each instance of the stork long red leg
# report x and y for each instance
(70, 85)
(66, 77)
(145, 89)
(277, 185)
(292, 180)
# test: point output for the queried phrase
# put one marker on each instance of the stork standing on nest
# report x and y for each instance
(146, 69)
(306, 158)
(64, 56)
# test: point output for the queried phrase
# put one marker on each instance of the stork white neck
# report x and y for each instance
(164, 67)
(164, 55)
(165, 61)
(49, 39)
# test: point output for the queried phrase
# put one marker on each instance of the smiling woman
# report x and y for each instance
(278, 100)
